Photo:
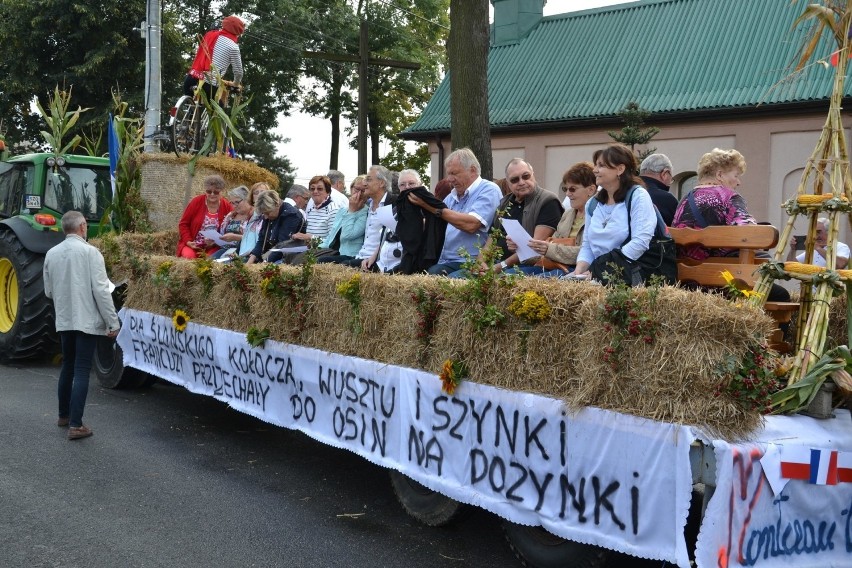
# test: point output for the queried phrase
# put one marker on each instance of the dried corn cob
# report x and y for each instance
(801, 268)
(810, 199)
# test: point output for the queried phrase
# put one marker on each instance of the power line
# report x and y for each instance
(412, 14)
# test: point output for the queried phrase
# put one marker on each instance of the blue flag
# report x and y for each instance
(112, 143)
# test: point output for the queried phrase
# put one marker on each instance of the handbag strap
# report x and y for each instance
(697, 216)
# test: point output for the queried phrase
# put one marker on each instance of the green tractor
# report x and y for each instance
(35, 190)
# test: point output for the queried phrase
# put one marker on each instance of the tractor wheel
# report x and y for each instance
(537, 548)
(110, 371)
(26, 315)
(427, 506)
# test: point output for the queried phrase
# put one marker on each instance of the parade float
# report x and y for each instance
(592, 419)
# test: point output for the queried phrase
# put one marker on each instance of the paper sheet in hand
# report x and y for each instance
(214, 236)
(517, 233)
(384, 215)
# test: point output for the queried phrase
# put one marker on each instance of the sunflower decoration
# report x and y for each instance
(180, 319)
(736, 288)
(452, 374)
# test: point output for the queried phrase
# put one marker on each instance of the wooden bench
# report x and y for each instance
(748, 240)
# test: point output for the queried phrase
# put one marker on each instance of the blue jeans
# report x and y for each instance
(78, 350)
(541, 272)
(445, 268)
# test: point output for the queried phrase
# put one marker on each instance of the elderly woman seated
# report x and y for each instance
(280, 222)
(321, 216)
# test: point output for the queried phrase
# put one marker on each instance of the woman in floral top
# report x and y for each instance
(714, 201)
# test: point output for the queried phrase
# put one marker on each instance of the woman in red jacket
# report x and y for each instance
(205, 211)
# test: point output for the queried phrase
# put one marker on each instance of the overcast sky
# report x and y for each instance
(310, 143)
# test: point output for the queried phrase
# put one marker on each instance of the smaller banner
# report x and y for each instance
(784, 499)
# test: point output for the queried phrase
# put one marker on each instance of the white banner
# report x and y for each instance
(595, 476)
(805, 524)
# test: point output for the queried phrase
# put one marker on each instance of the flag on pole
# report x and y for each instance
(112, 143)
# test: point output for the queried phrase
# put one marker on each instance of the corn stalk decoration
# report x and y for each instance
(825, 188)
(60, 121)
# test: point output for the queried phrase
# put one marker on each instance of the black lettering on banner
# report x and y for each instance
(306, 408)
(425, 453)
(436, 407)
(562, 443)
(602, 500)
(578, 497)
(289, 378)
(477, 456)
(454, 430)
(540, 488)
(510, 494)
(634, 505)
(346, 427)
(158, 356)
(511, 436)
(363, 391)
(532, 436)
(417, 404)
(478, 417)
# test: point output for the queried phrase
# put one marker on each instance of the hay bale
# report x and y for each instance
(671, 379)
(167, 185)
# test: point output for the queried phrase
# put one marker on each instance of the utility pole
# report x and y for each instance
(364, 62)
(153, 86)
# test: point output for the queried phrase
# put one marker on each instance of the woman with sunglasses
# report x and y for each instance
(205, 211)
(559, 252)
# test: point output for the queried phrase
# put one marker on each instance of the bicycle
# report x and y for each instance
(190, 122)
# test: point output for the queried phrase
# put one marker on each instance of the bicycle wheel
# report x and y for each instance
(185, 126)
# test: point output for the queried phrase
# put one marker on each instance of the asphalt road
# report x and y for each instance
(175, 479)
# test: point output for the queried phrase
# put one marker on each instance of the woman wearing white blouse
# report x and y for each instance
(608, 225)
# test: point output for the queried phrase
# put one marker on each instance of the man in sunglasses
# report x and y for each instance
(657, 173)
(536, 209)
(468, 210)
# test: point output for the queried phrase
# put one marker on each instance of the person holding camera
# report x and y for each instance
(820, 251)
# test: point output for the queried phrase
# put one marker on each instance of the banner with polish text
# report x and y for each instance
(592, 476)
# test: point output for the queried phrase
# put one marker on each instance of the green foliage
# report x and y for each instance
(634, 131)
(749, 381)
(627, 313)
(128, 211)
(257, 337)
(60, 121)
(90, 46)
(293, 288)
(398, 159)
(175, 291)
(482, 286)
(350, 290)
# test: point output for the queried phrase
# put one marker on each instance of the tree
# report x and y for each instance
(633, 132)
(468, 55)
(90, 46)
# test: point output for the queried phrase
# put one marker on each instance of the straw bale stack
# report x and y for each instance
(671, 379)
(166, 182)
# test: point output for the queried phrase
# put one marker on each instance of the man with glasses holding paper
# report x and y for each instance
(535, 209)
(469, 210)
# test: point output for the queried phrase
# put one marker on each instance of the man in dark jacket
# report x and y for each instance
(656, 172)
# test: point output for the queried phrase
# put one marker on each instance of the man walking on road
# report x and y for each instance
(75, 278)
